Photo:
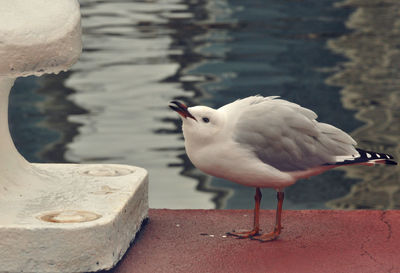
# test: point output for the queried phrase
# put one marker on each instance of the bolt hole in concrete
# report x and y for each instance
(69, 216)
(106, 171)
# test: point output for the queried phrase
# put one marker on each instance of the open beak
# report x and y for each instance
(181, 109)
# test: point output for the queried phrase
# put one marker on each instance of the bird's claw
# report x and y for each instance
(243, 234)
(255, 235)
(265, 237)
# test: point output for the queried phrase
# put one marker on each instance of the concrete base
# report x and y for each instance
(83, 221)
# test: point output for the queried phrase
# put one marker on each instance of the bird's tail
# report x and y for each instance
(367, 158)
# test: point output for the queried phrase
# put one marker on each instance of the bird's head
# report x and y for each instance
(200, 123)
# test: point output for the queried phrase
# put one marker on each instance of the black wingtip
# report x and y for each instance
(377, 157)
(367, 157)
(390, 162)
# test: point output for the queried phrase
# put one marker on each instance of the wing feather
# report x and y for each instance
(287, 136)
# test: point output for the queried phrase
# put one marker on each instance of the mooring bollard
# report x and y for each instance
(57, 217)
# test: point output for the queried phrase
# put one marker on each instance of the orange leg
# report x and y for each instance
(256, 221)
(278, 227)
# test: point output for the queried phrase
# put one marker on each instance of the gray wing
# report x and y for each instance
(287, 136)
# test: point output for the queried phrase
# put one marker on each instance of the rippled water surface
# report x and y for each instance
(112, 107)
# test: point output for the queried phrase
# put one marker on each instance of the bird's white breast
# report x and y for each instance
(230, 161)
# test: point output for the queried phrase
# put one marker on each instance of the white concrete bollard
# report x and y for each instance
(57, 217)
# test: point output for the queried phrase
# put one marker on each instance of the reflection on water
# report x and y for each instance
(125, 80)
(371, 86)
(139, 55)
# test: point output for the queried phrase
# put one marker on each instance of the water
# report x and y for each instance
(138, 55)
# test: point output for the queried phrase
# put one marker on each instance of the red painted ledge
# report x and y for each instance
(312, 241)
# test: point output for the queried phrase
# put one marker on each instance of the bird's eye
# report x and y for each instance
(206, 120)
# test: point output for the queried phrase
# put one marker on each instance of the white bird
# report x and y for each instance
(266, 142)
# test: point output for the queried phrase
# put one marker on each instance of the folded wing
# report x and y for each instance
(287, 136)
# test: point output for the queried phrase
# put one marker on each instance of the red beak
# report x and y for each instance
(181, 109)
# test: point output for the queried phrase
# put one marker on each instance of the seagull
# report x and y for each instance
(266, 142)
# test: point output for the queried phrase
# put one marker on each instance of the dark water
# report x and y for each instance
(112, 106)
